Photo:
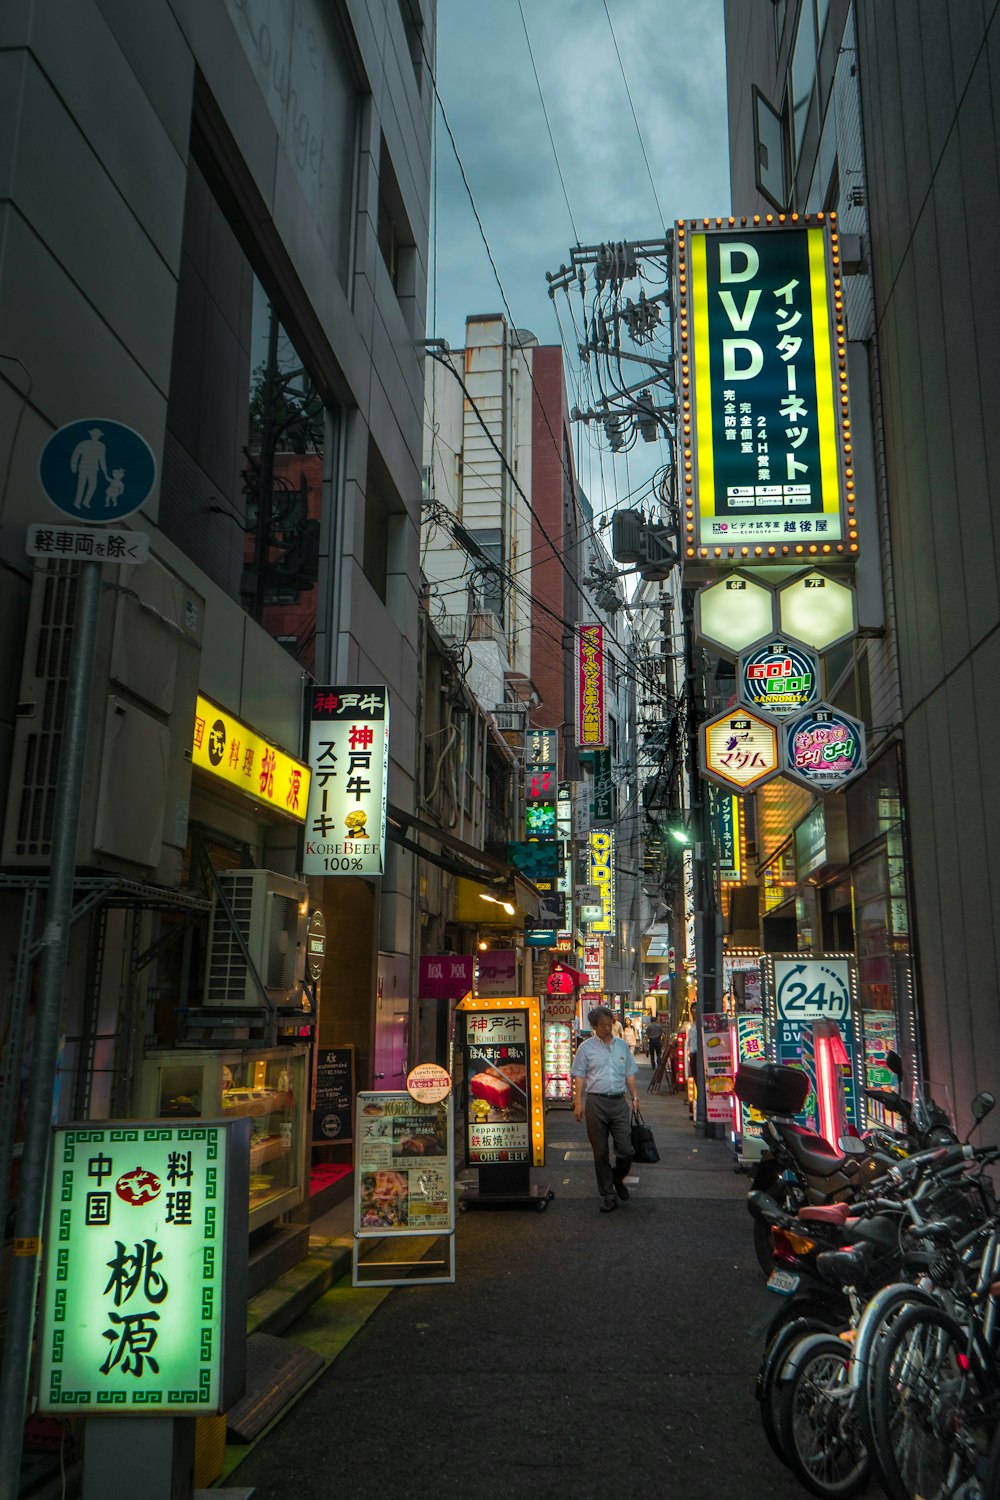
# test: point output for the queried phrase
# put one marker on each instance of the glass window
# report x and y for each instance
(769, 152)
(283, 483)
(803, 71)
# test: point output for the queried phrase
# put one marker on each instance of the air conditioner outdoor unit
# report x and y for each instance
(137, 770)
(271, 912)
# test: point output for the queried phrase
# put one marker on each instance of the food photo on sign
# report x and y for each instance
(497, 1071)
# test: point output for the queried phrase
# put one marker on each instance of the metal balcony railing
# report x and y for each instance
(479, 625)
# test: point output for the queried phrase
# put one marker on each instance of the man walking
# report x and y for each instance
(603, 1074)
(654, 1041)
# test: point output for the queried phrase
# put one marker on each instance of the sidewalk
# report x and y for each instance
(578, 1354)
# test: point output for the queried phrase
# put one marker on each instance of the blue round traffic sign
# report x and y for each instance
(97, 470)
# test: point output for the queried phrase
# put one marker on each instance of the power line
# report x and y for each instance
(548, 127)
(642, 146)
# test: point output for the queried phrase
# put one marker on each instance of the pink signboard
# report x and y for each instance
(445, 976)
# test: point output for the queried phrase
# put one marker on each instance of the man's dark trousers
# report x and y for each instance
(654, 1043)
(612, 1113)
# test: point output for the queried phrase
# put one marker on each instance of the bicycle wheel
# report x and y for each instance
(879, 1318)
(783, 1340)
(817, 1423)
(923, 1412)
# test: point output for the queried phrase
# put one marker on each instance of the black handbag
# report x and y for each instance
(643, 1145)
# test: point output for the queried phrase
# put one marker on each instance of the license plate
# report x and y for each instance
(783, 1282)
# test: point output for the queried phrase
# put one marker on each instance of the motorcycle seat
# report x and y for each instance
(825, 1213)
(815, 1154)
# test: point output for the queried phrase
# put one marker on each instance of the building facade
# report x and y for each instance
(229, 258)
(885, 117)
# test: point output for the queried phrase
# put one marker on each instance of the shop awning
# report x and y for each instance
(579, 976)
(496, 877)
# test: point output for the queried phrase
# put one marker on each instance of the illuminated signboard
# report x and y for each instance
(141, 1309)
(593, 963)
(768, 467)
(591, 714)
(349, 755)
(824, 748)
(602, 874)
(230, 751)
(604, 790)
(818, 609)
(739, 750)
(734, 613)
(731, 855)
(540, 820)
(540, 783)
(779, 679)
(504, 1112)
(541, 747)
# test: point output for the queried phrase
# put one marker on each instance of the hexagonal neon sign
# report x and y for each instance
(733, 613)
(818, 609)
(823, 749)
(780, 678)
(739, 750)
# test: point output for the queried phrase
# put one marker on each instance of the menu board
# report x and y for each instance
(334, 1094)
(718, 1067)
(405, 1171)
(496, 1067)
(557, 1056)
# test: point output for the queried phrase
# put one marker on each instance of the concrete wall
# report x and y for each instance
(928, 82)
(97, 102)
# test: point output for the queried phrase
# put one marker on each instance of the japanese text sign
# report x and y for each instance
(824, 748)
(739, 750)
(497, 971)
(227, 749)
(779, 679)
(591, 713)
(349, 756)
(445, 976)
(604, 790)
(404, 1181)
(541, 747)
(503, 1067)
(764, 377)
(140, 1298)
(729, 837)
(602, 874)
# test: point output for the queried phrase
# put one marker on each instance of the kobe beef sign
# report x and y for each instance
(503, 1070)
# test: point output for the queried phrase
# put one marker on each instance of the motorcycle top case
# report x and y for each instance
(772, 1087)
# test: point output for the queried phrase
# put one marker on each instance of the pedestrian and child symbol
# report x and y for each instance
(97, 470)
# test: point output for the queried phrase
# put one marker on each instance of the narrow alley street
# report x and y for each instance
(578, 1354)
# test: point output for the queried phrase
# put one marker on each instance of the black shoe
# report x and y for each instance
(621, 1189)
(608, 1205)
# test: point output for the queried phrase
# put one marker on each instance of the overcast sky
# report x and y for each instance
(673, 57)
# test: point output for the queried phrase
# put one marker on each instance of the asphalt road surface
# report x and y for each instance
(578, 1353)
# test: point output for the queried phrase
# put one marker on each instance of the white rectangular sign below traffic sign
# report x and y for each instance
(87, 544)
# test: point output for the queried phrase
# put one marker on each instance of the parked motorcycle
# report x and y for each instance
(800, 1167)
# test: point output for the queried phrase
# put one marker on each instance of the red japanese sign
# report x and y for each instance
(591, 712)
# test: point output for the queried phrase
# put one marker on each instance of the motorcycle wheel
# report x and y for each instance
(817, 1423)
(767, 1179)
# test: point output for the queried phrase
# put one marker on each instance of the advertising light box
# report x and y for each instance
(824, 748)
(503, 1069)
(763, 377)
(349, 756)
(591, 707)
(734, 613)
(142, 1311)
(779, 679)
(230, 751)
(739, 750)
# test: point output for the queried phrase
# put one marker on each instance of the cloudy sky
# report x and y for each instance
(673, 59)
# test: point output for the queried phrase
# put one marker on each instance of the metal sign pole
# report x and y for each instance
(45, 1041)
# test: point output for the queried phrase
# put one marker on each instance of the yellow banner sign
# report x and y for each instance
(226, 748)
